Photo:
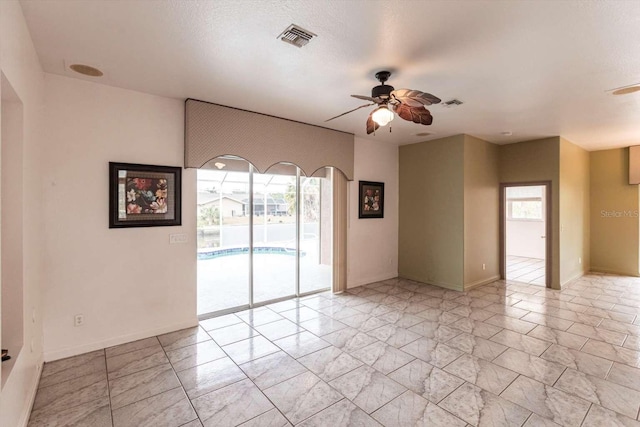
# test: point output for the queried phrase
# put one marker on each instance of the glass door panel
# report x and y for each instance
(316, 232)
(274, 233)
(223, 235)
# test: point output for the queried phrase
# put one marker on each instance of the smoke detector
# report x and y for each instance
(296, 35)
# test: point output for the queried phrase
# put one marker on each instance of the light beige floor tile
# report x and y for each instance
(169, 408)
(194, 355)
(531, 366)
(270, 370)
(330, 363)
(367, 388)
(602, 392)
(556, 336)
(250, 349)
(72, 367)
(210, 376)
(546, 401)
(521, 342)
(613, 352)
(279, 329)
(96, 413)
(271, 418)
(582, 362)
(134, 361)
(232, 333)
(183, 338)
(485, 375)
(341, 414)
(432, 352)
(410, 409)
(302, 396)
(61, 396)
(477, 346)
(479, 407)
(598, 334)
(231, 405)
(140, 385)
(625, 375)
(426, 380)
(600, 417)
(301, 344)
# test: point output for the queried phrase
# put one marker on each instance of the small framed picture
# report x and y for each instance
(144, 195)
(371, 199)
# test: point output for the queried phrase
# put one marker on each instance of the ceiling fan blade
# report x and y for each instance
(350, 111)
(371, 125)
(414, 98)
(368, 98)
(414, 114)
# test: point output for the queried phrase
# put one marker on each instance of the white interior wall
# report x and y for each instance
(21, 67)
(523, 238)
(372, 243)
(128, 283)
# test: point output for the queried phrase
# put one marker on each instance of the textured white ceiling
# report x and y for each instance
(535, 68)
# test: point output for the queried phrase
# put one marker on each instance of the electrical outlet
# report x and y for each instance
(579, 260)
(484, 266)
(78, 320)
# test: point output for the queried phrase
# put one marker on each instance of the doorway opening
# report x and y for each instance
(526, 233)
(262, 237)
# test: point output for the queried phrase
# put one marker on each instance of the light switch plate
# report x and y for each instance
(177, 238)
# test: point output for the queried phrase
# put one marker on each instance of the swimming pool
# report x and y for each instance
(220, 252)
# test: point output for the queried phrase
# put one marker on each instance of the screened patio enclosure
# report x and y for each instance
(262, 237)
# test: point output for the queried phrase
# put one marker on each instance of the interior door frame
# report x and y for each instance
(548, 226)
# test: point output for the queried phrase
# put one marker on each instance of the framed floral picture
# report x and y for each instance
(371, 199)
(144, 195)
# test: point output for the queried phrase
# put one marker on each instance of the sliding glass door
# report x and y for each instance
(261, 237)
(316, 231)
(223, 237)
(274, 233)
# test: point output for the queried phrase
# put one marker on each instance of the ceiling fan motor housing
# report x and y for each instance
(381, 91)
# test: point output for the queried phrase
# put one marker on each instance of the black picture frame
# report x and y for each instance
(370, 199)
(144, 195)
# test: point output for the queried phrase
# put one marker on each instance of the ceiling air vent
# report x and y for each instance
(452, 103)
(296, 36)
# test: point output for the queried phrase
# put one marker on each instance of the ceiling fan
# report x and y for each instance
(408, 104)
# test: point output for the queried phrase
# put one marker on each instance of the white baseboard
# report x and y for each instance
(610, 271)
(572, 278)
(451, 286)
(372, 279)
(33, 390)
(482, 282)
(50, 356)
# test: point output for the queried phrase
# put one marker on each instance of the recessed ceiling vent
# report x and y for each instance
(452, 103)
(296, 36)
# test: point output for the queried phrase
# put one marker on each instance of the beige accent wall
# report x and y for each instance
(614, 207)
(481, 212)
(535, 161)
(574, 211)
(431, 212)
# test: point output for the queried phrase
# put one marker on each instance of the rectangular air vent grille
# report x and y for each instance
(296, 36)
(452, 103)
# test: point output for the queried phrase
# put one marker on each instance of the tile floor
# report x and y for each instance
(526, 270)
(393, 353)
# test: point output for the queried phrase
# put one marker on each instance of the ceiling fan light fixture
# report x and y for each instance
(382, 116)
